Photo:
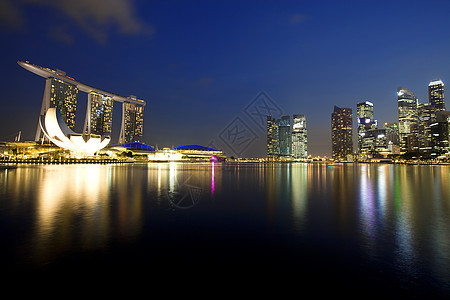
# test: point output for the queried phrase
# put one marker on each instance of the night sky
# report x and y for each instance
(209, 70)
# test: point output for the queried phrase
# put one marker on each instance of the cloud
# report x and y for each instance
(60, 34)
(297, 18)
(11, 16)
(95, 17)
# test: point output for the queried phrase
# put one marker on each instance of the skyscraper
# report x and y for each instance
(132, 122)
(366, 122)
(272, 137)
(299, 137)
(341, 133)
(427, 116)
(391, 133)
(99, 114)
(440, 133)
(62, 95)
(407, 120)
(284, 135)
(436, 94)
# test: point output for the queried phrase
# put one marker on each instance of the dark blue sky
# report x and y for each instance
(204, 66)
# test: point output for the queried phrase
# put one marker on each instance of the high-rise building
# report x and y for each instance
(272, 137)
(366, 122)
(391, 133)
(132, 122)
(440, 133)
(407, 120)
(99, 114)
(299, 137)
(374, 143)
(284, 135)
(364, 110)
(62, 95)
(341, 133)
(436, 94)
(427, 116)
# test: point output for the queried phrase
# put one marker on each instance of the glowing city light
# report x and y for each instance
(61, 135)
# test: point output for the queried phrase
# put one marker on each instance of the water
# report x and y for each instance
(373, 227)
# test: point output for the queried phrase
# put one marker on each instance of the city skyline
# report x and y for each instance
(197, 67)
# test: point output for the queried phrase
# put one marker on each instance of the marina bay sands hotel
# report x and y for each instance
(61, 91)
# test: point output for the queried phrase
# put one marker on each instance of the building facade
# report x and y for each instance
(366, 123)
(272, 138)
(407, 120)
(427, 116)
(284, 135)
(299, 137)
(61, 95)
(391, 133)
(440, 134)
(132, 123)
(341, 133)
(436, 94)
(99, 114)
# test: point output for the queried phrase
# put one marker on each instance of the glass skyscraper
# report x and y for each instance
(366, 122)
(299, 137)
(272, 138)
(284, 135)
(391, 132)
(341, 133)
(407, 120)
(436, 94)
(427, 116)
(440, 133)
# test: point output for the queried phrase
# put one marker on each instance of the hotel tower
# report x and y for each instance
(61, 92)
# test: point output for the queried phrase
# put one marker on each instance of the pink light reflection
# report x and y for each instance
(212, 178)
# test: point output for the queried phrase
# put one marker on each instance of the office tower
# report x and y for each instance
(132, 122)
(284, 135)
(374, 142)
(341, 133)
(99, 114)
(272, 137)
(391, 133)
(299, 137)
(427, 116)
(440, 134)
(436, 94)
(407, 120)
(62, 95)
(366, 122)
(364, 110)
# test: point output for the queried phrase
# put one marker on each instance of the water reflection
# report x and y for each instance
(299, 198)
(396, 216)
(368, 210)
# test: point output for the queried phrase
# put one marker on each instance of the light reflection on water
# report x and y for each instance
(396, 216)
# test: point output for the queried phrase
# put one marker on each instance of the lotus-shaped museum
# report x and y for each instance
(57, 131)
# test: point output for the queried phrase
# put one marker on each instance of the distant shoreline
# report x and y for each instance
(243, 161)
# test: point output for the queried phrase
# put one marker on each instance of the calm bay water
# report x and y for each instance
(377, 226)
